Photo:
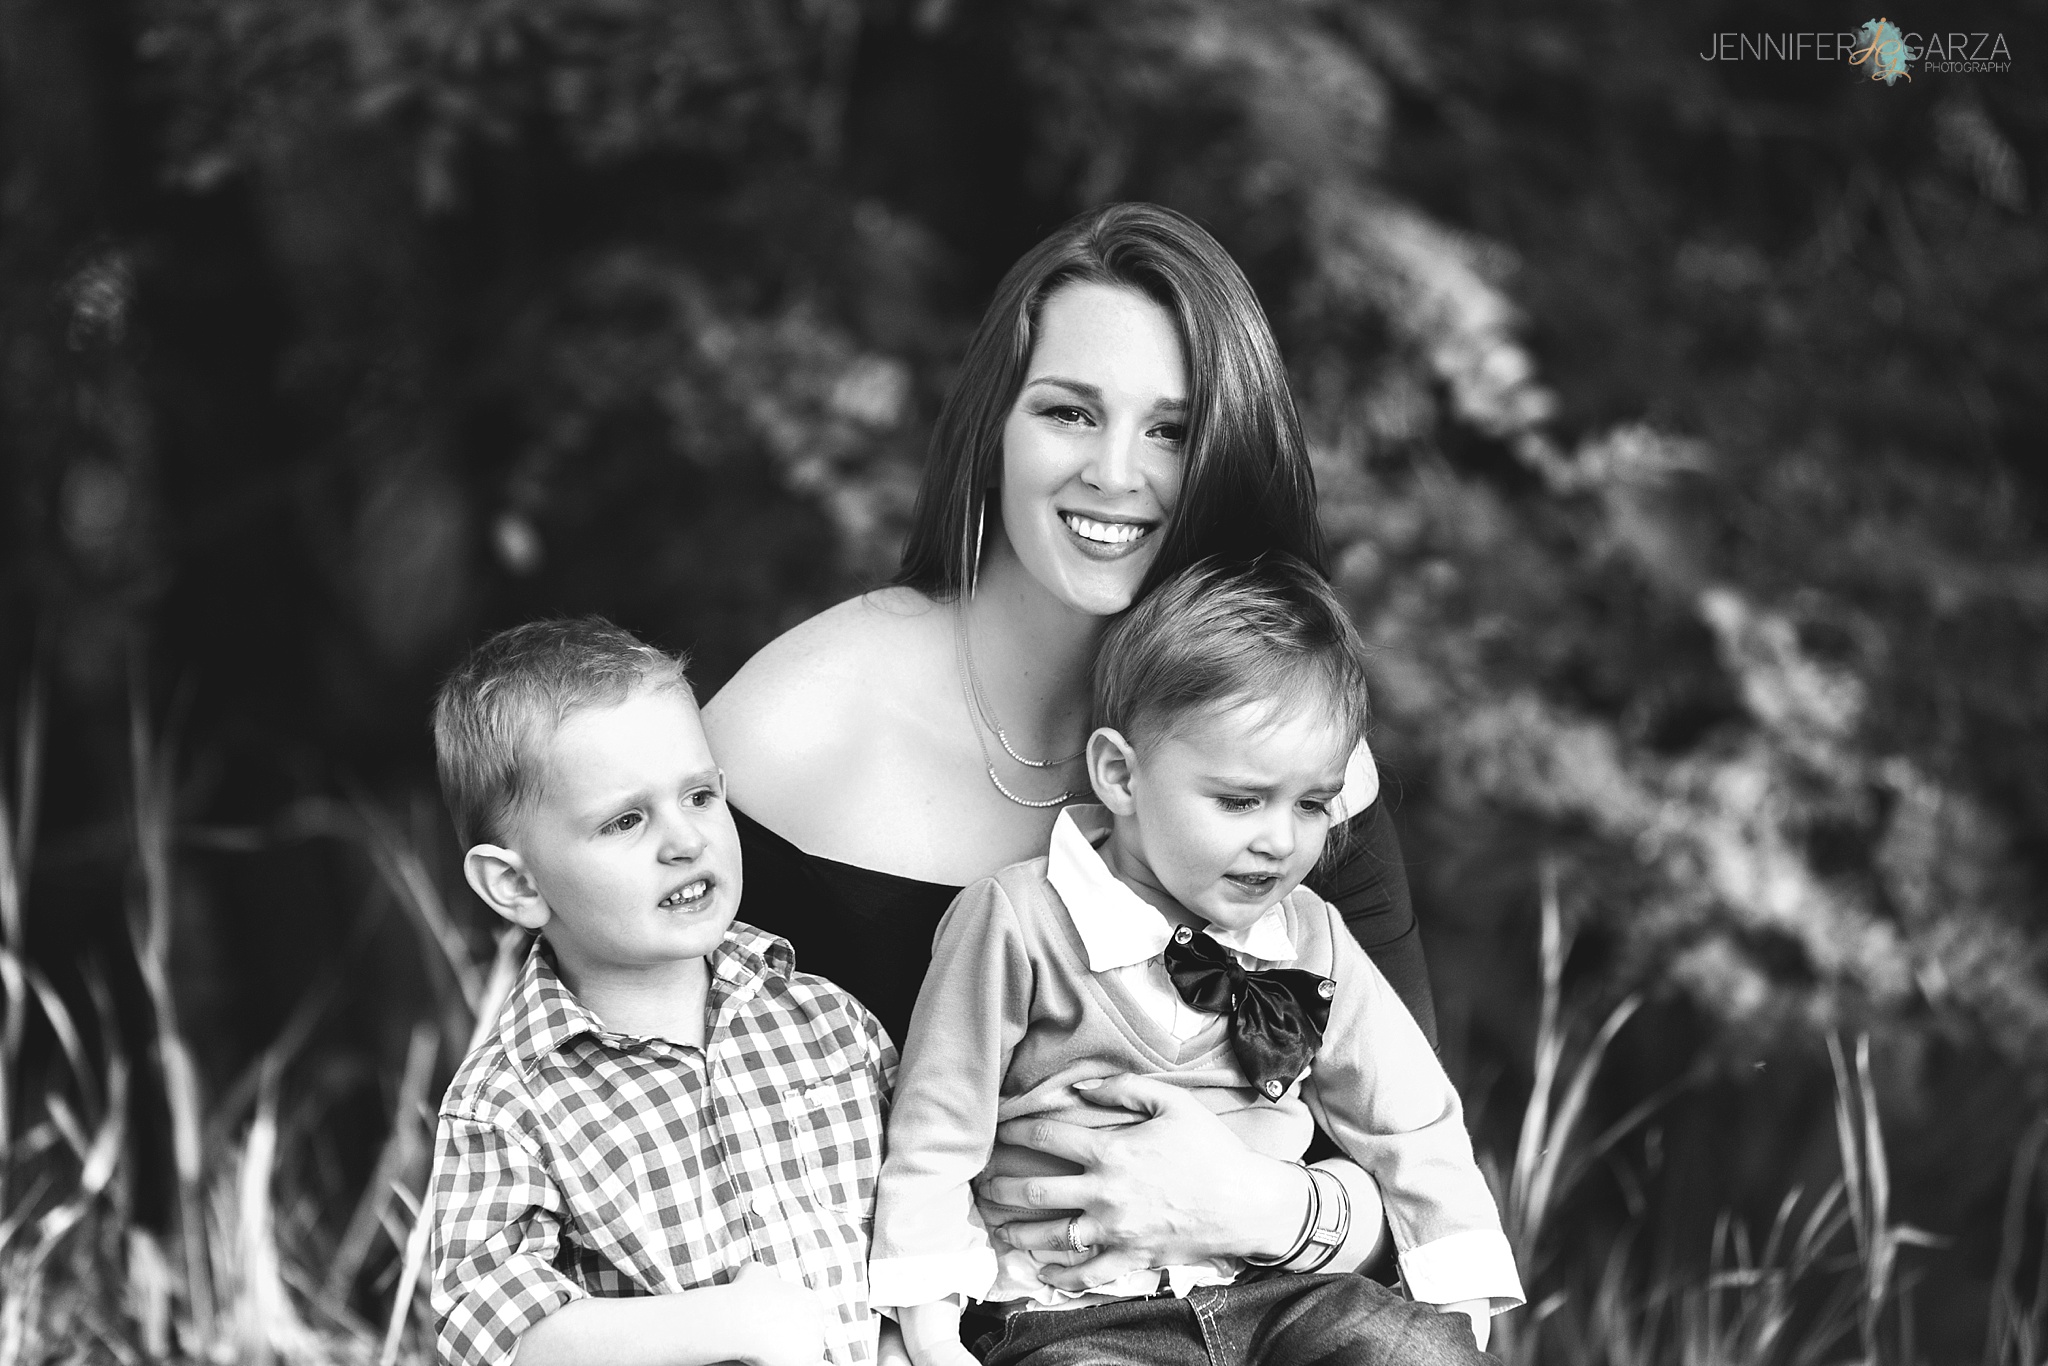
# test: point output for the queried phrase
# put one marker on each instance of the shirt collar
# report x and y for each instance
(1117, 926)
(542, 1014)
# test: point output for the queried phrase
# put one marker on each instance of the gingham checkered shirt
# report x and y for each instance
(572, 1161)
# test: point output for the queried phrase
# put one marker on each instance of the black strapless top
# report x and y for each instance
(871, 932)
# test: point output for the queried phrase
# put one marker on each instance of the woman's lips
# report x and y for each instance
(1106, 539)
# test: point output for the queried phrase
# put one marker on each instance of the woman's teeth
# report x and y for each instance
(683, 896)
(1107, 533)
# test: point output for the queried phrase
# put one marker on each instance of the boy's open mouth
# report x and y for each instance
(1256, 883)
(689, 894)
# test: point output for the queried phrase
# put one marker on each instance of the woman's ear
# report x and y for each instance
(1112, 761)
(499, 876)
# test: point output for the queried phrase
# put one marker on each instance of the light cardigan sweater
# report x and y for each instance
(1012, 1014)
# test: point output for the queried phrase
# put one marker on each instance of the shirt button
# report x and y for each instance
(1326, 988)
(1273, 1089)
(1182, 935)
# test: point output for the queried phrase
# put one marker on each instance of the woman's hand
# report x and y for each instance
(1174, 1189)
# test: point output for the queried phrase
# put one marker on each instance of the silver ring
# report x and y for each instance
(1074, 1243)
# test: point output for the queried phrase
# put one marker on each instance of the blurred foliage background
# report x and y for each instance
(1671, 417)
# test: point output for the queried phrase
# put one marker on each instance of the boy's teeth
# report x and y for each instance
(694, 892)
(1109, 533)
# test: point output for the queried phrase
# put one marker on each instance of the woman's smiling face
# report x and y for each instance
(1092, 447)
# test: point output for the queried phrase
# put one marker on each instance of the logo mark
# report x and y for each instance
(1884, 47)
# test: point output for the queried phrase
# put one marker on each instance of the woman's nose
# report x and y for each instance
(1114, 468)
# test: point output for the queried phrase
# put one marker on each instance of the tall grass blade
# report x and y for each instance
(401, 1151)
(2013, 1333)
(150, 928)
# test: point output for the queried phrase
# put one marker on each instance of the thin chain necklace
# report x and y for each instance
(980, 714)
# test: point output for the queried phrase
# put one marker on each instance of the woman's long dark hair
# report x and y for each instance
(1246, 486)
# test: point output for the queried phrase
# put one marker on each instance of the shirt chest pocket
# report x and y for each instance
(836, 1128)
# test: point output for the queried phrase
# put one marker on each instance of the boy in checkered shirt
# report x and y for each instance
(666, 1151)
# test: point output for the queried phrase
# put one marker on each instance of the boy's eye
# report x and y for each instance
(1237, 803)
(619, 825)
(1315, 806)
(700, 798)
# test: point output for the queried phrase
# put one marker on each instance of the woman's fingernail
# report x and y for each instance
(1089, 1084)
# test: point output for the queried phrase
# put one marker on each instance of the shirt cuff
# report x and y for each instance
(1474, 1265)
(904, 1282)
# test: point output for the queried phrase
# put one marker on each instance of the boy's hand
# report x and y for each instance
(785, 1320)
(932, 1333)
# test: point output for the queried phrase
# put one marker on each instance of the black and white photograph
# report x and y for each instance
(1023, 683)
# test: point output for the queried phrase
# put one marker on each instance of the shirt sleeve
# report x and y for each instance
(1378, 1090)
(929, 1241)
(882, 1059)
(1363, 877)
(497, 1231)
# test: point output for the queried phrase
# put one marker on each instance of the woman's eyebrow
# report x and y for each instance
(1083, 389)
(1078, 388)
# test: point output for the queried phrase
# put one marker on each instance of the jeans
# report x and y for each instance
(1280, 1321)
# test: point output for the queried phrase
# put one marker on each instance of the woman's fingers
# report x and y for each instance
(1039, 1192)
(1100, 1269)
(1049, 1237)
(1144, 1097)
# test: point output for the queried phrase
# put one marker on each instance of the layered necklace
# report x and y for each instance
(984, 717)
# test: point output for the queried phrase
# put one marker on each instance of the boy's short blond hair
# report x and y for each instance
(498, 709)
(1267, 629)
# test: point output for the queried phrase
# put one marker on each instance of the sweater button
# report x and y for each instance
(1182, 935)
(1326, 988)
(1273, 1089)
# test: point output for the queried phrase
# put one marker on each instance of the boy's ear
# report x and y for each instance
(499, 876)
(1111, 759)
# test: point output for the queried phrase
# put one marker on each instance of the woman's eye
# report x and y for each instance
(1067, 413)
(1172, 433)
(1237, 804)
(619, 825)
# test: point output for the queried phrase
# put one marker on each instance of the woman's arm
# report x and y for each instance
(1175, 1188)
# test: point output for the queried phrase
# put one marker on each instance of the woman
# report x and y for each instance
(1121, 412)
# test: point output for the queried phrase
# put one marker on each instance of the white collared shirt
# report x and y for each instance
(1125, 935)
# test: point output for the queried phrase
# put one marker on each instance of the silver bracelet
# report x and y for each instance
(1330, 1225)
(1308, 1225)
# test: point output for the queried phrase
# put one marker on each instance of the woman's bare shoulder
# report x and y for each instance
(808, 702)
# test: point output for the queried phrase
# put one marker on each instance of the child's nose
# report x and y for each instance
(681, 840)
(1276, 835)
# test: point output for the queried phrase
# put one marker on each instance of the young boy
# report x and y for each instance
(666, 1151)
(1169, 935)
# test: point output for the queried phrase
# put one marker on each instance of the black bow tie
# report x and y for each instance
(1277, 1015)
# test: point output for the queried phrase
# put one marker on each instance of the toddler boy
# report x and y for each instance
(666, 1151)
(1169, 935)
